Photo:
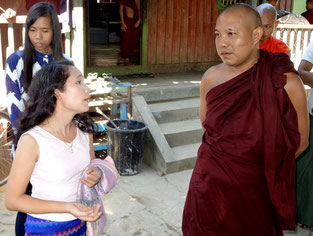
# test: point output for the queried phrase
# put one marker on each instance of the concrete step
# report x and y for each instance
(182, 132)
(168, 92)
(187, 155)
(174, 133)
(176, 110)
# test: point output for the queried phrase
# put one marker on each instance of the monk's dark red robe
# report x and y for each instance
(30, 3)
(243, 183)
(130, 36)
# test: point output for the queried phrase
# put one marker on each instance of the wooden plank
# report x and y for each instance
(192, 30)
(152, 16)
(207, 30)
(214, 56)
(184, 31)
(149, 31)
(292, 26)
(18, 36)
(199, 32)
(212, 31)
(177, 11)
(286, 5)
(215, 14)
(3, 42)
(160, 50)
(169, 31)
(1, 58)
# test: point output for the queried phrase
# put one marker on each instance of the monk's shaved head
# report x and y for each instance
(251, 16)
(267, 9)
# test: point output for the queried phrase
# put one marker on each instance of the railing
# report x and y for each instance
(11, 47)
(297, 37)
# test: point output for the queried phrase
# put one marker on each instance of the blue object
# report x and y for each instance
(114, 111)
(123, 112)
(119, 85)
(101, 147)
(101, 128)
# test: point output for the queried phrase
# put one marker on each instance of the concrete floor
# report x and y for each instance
(144, 204)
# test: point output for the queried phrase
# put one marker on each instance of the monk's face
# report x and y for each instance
(234, 38)
(309, 5)
(268, 23)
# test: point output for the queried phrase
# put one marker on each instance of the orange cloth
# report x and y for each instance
(275, 45)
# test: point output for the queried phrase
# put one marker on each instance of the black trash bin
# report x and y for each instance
(125, 145)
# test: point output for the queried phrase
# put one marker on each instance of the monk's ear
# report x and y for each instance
(276, 23)
(257, 34)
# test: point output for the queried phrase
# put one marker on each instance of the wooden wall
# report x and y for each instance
(181, 31)
(286, 5)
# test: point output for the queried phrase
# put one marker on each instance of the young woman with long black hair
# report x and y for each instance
(54, 149)
(42, 45)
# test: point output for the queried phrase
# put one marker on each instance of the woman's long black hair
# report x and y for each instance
(41, 9)
(42, 99)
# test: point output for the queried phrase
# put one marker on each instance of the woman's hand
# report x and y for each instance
(93, 177)
(83, 212)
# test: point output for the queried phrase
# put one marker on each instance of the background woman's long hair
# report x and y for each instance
(41, 9)
(42, 99)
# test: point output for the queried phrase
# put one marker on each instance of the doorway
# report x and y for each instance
(104, 34)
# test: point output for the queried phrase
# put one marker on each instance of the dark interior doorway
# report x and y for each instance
(104, 29)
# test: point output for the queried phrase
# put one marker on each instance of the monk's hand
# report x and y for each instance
(124, 27)
(137, 23)
(93, 177)
(83, 212)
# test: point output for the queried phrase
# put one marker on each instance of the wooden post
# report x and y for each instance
(3, 98)
(1, 59)
(68, 44)
(10, 48)
(78, 44)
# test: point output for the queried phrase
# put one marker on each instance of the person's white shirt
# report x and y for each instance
(308, 56)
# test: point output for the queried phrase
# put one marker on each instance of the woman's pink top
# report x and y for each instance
(58, 170)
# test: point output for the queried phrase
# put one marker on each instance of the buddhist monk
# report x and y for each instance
(254, 114)
(309, 13)
(130, 21)
(269, 22)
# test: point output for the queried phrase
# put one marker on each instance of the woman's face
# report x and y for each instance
(40, 34)
(75, 96)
